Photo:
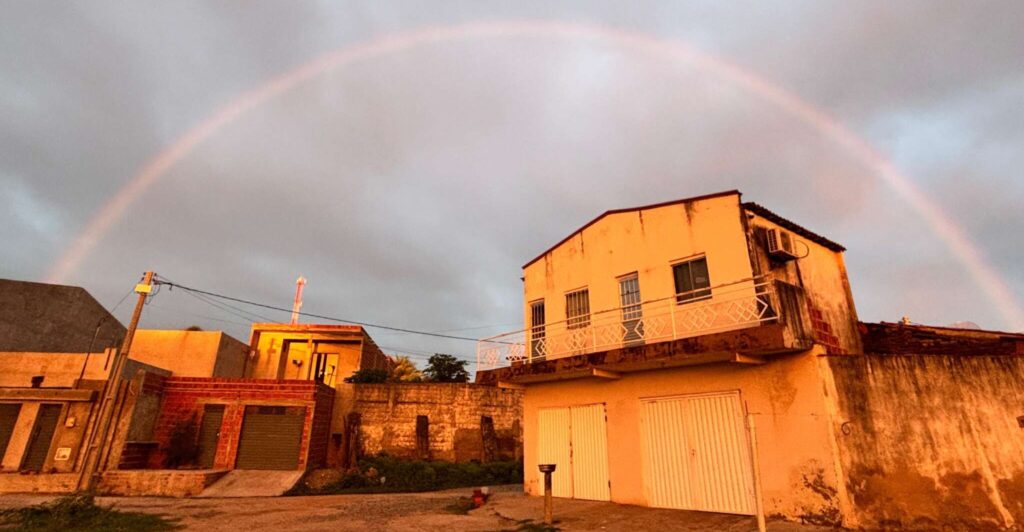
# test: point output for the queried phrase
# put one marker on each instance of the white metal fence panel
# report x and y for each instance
(667, 468)
(555, 448)
(696, 454)
(589, 453)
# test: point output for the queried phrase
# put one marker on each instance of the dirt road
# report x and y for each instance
(507, 510)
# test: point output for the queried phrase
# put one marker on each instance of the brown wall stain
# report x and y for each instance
(931, 440)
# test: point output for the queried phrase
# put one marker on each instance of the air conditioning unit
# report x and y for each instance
(781, 245)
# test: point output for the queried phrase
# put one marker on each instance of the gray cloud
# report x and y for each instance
(409, 189)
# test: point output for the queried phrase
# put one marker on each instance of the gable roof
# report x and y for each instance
(51, 318)
(632, 209)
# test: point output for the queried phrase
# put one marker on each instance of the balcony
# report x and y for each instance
(735, 306)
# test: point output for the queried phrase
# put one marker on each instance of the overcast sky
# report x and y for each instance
(409, 189)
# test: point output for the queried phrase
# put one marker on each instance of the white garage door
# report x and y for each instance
(696, 455)
(575, 439)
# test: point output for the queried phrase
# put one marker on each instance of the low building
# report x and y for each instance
(706, 354)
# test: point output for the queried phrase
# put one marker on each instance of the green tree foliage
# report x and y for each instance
(405, 370)
(446, 368)
(368, 376)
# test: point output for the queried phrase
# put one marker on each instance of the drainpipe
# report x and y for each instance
(89, 351)
(758, 495)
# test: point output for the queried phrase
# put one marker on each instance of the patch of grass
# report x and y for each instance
(385, 474)
(79, 513)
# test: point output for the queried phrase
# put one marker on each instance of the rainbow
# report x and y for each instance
(954, 237)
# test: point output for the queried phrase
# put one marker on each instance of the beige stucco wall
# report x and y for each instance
(784, 395)
(190, 353)
(268, 360)
(59, 370)
(821, 272)
(646, 241)
(930, 441)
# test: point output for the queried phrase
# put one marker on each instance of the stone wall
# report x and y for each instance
(457, 422)
(930, 441)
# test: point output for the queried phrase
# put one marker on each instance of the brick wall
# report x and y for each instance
(454, 412)
(185, 397)
(899, 339)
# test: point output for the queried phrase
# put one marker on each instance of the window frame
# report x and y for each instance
(695, 294)
(580, 320)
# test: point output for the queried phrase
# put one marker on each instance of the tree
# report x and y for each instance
(446, 368)
(368, 376)
(405, 370)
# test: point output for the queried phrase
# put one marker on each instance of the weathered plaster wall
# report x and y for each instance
(647, 242)
(931, 440)
(388, 419)
(797, 470)
(59, 370)
(284, 351)
(190, 353)
(821, 273)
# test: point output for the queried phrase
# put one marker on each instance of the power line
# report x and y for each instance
(168, 282)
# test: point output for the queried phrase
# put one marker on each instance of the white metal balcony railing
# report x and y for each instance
(738, 305)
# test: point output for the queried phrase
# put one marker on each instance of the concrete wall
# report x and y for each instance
(646, 241)
(388, 419)
(795, 453)
(821, 273)
(931, 440)
(190, 353)
(59, 370)
(280, 351)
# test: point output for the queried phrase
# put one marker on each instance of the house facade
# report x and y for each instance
(705, 354)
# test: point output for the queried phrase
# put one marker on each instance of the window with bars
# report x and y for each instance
(577, 309)
(537, 329)
(692, 280)
(629, 297)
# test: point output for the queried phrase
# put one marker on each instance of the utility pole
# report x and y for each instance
(101, 434)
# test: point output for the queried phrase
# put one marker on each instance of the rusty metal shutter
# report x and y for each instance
(696, 454)
(589, 453)
(271, 437)
(8, 418)
(555, 448)
(42, 435)
(209, 434)
(575, 439)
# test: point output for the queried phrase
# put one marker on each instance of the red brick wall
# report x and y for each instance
(185, 397)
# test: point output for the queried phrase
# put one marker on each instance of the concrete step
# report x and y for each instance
(252, 483)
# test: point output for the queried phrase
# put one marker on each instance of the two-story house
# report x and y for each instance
(657, 336)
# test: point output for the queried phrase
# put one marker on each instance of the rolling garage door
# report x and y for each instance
(696, 455)
(576, 440)
(271, 437)
(8, 418)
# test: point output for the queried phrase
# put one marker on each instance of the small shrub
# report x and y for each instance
(369, 376)
(384, 474)
(74, 513)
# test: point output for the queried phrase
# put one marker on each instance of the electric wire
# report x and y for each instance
(165, 281)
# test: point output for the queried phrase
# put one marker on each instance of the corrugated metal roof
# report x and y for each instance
(798, 229)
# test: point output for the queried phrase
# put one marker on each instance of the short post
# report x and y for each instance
(547, 469)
